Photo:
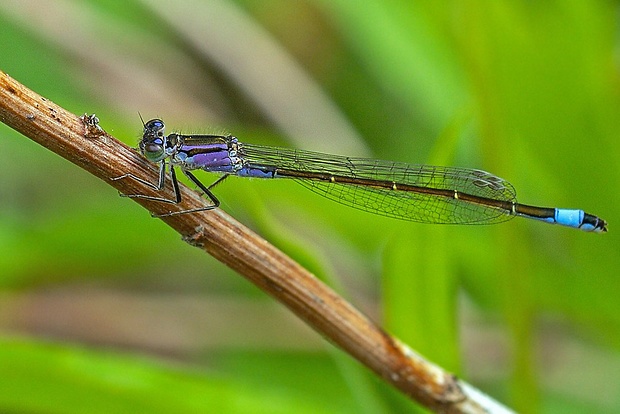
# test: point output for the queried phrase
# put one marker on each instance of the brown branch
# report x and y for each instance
(81, 141)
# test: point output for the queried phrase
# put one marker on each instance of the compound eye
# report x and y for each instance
(154, 126)
(153, 150)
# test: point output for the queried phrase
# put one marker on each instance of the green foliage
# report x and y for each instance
(526, 311)
(53, 378)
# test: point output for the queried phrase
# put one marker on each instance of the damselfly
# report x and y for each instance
(420, 193)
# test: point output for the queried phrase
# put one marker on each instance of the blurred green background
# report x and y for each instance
(104, 309)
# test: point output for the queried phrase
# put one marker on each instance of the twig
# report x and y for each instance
(81, 141)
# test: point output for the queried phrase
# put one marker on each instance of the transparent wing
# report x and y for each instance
(406, 205)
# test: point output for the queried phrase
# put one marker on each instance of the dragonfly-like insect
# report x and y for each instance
(414, 192)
